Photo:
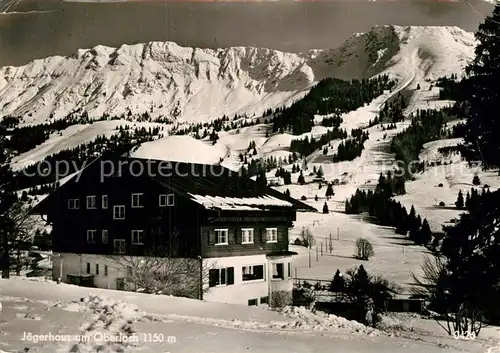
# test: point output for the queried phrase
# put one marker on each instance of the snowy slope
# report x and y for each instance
(185, 325)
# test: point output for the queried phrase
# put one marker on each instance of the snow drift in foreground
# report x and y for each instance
(184, 325)
(165, 79)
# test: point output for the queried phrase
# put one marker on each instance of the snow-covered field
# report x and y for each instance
(137, 322)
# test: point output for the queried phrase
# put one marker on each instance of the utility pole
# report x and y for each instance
(321, 248)
(309, 257)
(338, 233)
(317, 254)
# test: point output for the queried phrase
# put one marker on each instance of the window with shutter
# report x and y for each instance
(247, 236)
(271, 235)
(230, 275)
(213, 277)
(221, 237)
(252, 273)
(220, 277)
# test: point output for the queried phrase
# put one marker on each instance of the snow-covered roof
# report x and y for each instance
(238, 203)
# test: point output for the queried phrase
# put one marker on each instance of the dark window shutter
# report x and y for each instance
(258, 271)
(239, 236)
(211, 237)
(280, 235)
(223, 276)
(213, 277)
(230, 275)
(231, 234)
(262, 232)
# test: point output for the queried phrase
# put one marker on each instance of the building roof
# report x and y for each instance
(219, 188)
(211, 186)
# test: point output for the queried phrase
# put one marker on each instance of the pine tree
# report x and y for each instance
(325, 208)
(361, 285)
(483, 92)
(329, 191)
(261, 179)
(476, 181)
(287, 192)
(460, 201)
(338, 282)
(300, 179)
(425, 232)
(320, 173)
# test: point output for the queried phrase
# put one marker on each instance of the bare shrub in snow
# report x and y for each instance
(306, 237)
(160, 271)
(16, 228)
(280, 299)
(363, 249)
(162, 275)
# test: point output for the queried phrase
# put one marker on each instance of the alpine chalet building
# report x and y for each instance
(200, 231)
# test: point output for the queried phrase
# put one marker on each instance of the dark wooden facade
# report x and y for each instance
(181, 230)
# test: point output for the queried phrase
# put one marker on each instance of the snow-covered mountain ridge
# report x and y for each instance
(171, 81)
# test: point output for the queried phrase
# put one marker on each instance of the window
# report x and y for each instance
(104, 236)
(88, 267)
(279, 271)
(74, 204)
(264, 300)
(137, 200)
(162, 200)
(222, 276)
(104, 202)
(119, 212)
(253, 302)
(221, 237)
(137, 236)
(105, 270)
(97, 269)
(247, 236)
(91, 202)
(251, 273)
(170, 199)
(91, 236)
(119, 246)
(272, 235)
